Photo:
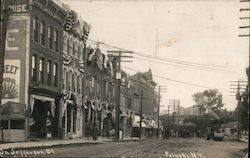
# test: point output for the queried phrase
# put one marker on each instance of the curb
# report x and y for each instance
(54, 144)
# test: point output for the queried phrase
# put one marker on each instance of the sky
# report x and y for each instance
(190, 46)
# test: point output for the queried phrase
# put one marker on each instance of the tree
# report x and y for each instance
(211, 98)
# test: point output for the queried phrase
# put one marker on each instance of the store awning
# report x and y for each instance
(136, 122)
(13, 111)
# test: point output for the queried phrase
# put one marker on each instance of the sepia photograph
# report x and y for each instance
(124, 78)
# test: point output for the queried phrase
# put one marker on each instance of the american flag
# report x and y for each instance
(71, 21)
(85, 33)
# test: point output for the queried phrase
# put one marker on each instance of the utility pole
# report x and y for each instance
(118, 78)
(4, 15)
(246, 35)
(1, 70)
(158, 113)
(141, 96)
(161, 89)
(237, 88)
(238, 116)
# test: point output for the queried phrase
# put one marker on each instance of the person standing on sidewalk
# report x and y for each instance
(95, 131)
(88, 130)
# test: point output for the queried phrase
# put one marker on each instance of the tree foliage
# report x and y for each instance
(211, 98)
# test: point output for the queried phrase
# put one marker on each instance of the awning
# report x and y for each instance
(136, 122)
(13, 111)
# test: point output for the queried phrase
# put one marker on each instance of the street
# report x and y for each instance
(181, 148)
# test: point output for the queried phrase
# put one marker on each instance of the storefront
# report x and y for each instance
(72, 115)
(136, 127)
(13, 122)
(42, 117)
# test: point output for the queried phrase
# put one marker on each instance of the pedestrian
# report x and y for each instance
(88, 130)
(95, 131)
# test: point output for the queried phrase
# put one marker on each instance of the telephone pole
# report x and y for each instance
(161, 89)
(141, 96)
(236, 88)
(246, 34)
(4, 15)
(158, 113)
(118, 80)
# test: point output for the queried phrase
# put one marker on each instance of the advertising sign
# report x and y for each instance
(19, 6)
(11, 80)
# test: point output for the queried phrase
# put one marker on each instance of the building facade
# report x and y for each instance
(33, 60)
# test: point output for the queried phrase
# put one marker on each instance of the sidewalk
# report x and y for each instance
(58, 142)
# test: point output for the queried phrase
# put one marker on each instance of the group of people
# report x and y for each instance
(92, 131)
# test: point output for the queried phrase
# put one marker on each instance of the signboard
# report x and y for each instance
(11, 80)
(19, 6)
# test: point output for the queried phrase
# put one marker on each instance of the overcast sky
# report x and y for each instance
(197, 33)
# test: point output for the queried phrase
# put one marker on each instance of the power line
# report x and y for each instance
(180, 62)
(169, 79)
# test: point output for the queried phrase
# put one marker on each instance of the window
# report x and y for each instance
(49, 72)
(42, 33)
(41, 65)
(68, 46)
(56, 41)
(64, 78)
(35, 29)
(55, 67)
(79, 84)
(79, 52)
(34, 68)
(73, 83)
(68, 81)
(74, 48)
(50, 38)
(17, 124)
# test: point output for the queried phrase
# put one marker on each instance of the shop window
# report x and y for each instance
(55, 74)
(17, 124)
(35, 29)
(5, 124)
(49, 72)
(34, 68)
(41, 67)
(42, 33)
(50, 38)
(56, 40)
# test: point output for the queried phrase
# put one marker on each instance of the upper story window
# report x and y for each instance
(64, 78)
(49, 74)
(41, 67)
(68, 84)
(79, 52)
(56, 40)
(34, 68)
(35, 29)
(55, 74)
(42, 33)
(74, 48)
(79, 84)
(50, 38)
(73, 83)
(68, 46)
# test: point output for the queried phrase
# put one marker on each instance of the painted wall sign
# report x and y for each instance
(19, 6)
(11, 80)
